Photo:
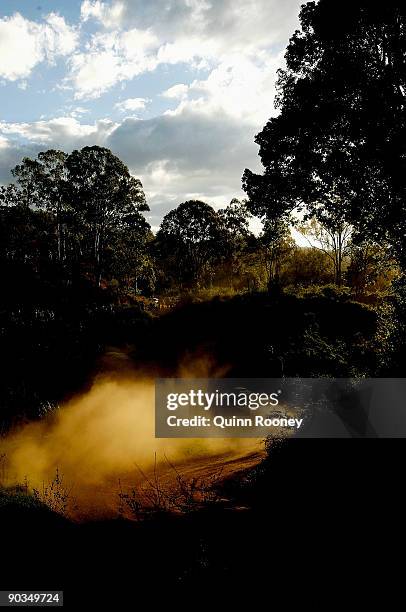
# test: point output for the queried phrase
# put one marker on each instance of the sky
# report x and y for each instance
(176, 88)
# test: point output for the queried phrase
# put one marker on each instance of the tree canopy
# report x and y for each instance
(193, 236)
(90, 200)
(336, 150)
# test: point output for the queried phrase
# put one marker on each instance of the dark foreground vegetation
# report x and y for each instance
(84, 279)
(315, 497)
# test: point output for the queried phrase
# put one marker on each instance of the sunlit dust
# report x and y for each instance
(101, 434)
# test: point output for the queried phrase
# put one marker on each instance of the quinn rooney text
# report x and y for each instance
(224, 422)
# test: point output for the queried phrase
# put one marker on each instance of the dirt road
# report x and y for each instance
(101, 501)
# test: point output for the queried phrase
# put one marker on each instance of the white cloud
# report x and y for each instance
(100, 11)
(139, 36)
(59, 37)
(78, 111)
(24, 43)
(94, 73)
(223, 25)
(109, 59)
(4, 143)
(61, 132)
(132, 104)
(240, 86)
(177, 92)
(197, 52)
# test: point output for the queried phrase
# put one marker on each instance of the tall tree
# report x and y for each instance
(91, 205)
(191, 238)
(235, 218)
(331, 237)
(131, 261)
(104, 197)
(274, 244)
(238, 237)
(42, 184)
(338, 146)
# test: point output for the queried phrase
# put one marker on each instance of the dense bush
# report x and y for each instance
(255, 335)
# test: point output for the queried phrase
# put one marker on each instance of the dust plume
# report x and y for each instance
(105, 432)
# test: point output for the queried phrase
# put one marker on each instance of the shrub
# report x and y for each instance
(181, 495)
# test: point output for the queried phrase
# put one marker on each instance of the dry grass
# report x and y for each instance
(55, 495)
(182, 495)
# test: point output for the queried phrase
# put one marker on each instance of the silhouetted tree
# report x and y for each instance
(191, 239)
(130, 261)
(235, 219)
(104, 197)
(338, 147)
(92, 209)
(42, 184)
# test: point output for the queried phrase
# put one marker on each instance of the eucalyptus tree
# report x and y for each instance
(191, 239)
(105, 198)
(337, 149)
